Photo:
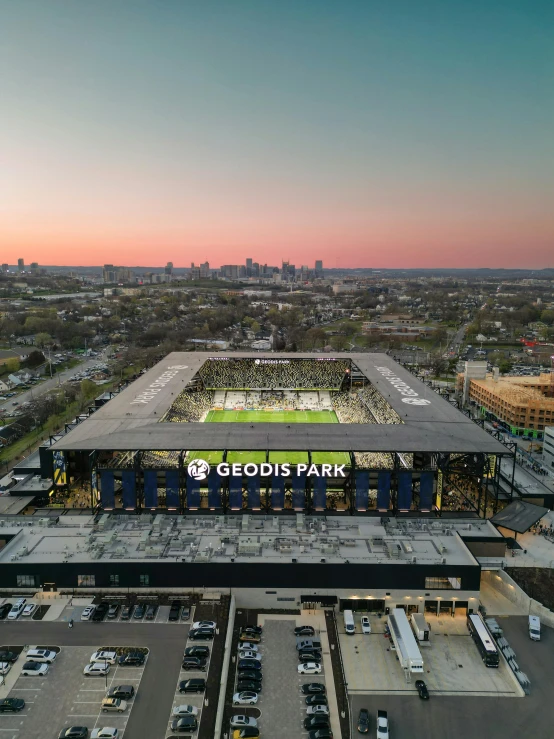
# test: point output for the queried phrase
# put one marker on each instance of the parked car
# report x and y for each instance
(198, 634)
(139, 611)
(249, 645)
(304, 631)
(17, 609)
(74, 732)
(245, 698)
(121, 691)
(248, 732)
(422, 690)
(126, 613)
(240, 721)
(366, 626)
(4, 610)
(12, 705)
(312, 688)
(363, 721)
(249, 664)
(196, 685)
(249, 654)
(151, 612)
(8, 656)
(200, 651)
(113, 610)
(204, 625)
(86, 615)
(317, 699)
(100, 612)
(318, 710)
(96, 669)
(253, 685)
(174, 611)
(5, 667)
(104, 656)
(316, 722)
(107, 732)
(34, 669)
(309, 668)
(29, 609)
(132, 659)
(185, 724)
(185, 613)
(193, 663)
(253, 627)
(249, 675)
(323, 733)
(185, 710)
(41, 655)
(249, 636)
(310, 655)
(114, 704)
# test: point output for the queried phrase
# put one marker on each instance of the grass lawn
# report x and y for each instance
(288, 457)
(331, 458)
(246, 457)
(271, 417)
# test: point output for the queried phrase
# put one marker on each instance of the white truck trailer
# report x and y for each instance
(404, 641)
(349, 625)
(420, 627)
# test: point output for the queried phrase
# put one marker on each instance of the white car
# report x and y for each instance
(309, 668)
(249, 654)
(240, 721)
(318, 711)
(249, 646)
(108, 732)
(86, 615)
(34, 669)
(5, 667)
(29, 609)
(185, 710)
(103, 656)
(96, 669)
(204, 625)
(366, 626)
(114, 704)
(245, 698)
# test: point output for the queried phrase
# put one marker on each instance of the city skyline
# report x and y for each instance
(385, 137)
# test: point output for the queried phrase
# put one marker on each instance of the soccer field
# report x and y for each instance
(271, 416)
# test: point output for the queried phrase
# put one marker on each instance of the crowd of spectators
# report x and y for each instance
(381, 411)
(190, 405)
(350, 409)
(374, 460)
(274, 373)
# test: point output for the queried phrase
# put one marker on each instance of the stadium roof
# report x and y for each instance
(130, 421)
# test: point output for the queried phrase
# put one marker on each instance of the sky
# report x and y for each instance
(366, 133)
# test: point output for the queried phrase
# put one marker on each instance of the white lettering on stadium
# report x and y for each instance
(402, 387)
(199, 469)
(154, 388)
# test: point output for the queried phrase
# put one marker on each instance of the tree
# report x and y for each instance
(547, 316)
(12, 365)
(339, 343)
(35, 359)
(438, 366)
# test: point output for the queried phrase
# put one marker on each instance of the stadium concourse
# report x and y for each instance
(352, 433)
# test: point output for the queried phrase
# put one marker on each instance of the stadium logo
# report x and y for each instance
(158, 385)
(272, 361)
(402, 387)
(416, 401)
(198, 469)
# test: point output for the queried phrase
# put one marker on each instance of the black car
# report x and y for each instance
(316, 722)
(422, 690)
(250, 675)
(100, 612)
(363, 721)
(316, 700)
(151, 612)
(74, 732)
(312, 688)
(199, 651)
(4, 610)
(8, 656)
(192, 686)
(126, 613)
(187, 723)
(323, 733)
(174, 611)
(304, 631)
(132, 659)
(11, 705)
(254, 629)
(253, 685)
(138, 613)
(204, 634)
(121, 691)
(249, 664)
(249, 732)
(194, 663)
(113, 610)
(311, 655)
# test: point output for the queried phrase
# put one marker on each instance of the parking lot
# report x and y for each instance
(161, 616)
(452, 663)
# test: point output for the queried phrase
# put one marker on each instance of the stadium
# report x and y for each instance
(280, 433)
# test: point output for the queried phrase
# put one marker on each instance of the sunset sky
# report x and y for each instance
(362, 132)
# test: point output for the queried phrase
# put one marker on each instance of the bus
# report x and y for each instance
(483, 640)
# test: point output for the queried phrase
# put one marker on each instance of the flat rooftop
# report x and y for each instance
(429, 422)
(218, 539)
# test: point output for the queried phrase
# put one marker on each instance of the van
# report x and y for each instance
(41, 655)
(349, 625)
(17, 609)
(534, 628)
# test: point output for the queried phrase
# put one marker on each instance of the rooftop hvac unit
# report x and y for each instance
(443, 560)
(414, 560)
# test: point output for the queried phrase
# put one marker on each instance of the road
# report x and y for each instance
(50, 384)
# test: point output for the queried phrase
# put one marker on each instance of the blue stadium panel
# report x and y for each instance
(362, 490)
(278, 493)
(254, 493)
(193, 493)
(172, 488)
(107, 489)
(299, 492)
(426, 482)
(129, 485)
(235, 493)
(383, 490)
(150, 488)
(404, 490)
(319, 493)
(214, 484)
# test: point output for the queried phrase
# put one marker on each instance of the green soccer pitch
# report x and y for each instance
(272, 416)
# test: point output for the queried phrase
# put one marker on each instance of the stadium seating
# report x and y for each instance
(288, 374)
(190, 406)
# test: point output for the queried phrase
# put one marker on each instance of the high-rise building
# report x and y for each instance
(205, 270)
(5, 267)
(169, 268)
(319, 268)
(20, 265)
(34, 266)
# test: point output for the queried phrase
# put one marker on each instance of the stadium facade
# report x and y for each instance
(280, 434)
